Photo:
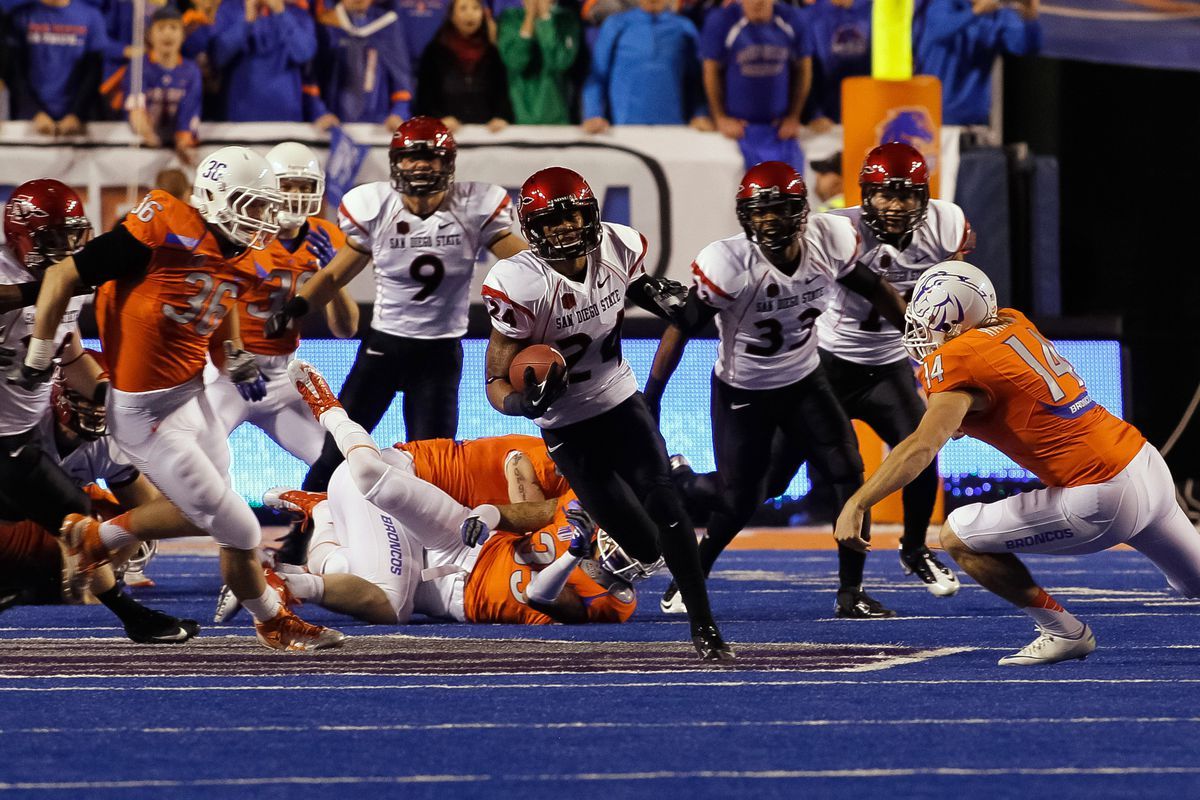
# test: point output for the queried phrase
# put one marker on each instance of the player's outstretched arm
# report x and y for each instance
(321, 288)
(528, 516)
(507, 245)
(82, 372)
(694, 316)
(501, 351)
(342, 315)
(907, 460)
(58, 285)
(871, 285)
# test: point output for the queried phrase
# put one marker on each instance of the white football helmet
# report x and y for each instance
(948, 299)
(620, 564)
(236, 191)
(292, 160)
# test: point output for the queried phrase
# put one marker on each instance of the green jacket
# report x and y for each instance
(538, 67)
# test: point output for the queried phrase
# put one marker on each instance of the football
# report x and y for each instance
(538, 356)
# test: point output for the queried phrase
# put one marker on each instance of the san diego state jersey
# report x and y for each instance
(21, 409)
(98, 460)
(156, 327)
(766, 320)
(528, 300)
(423, 267)
(287, 270)
(852, 328)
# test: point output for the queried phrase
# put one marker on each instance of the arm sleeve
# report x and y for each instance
(187, 119)
(515, 49)
(498, 214)
(510, 308)
(944, 19)
(558, 38)
(230, 33)
(357, 213)
(398, 68)
(712, 37)
(112, 255)
(299, 34)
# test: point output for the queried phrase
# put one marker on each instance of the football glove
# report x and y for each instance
(474, 531)
(661, 296)
(278, 323)
(244, 372)
(583, 528)
(320, 245)
(537, 397)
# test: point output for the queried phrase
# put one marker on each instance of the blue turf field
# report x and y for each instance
(561, 712)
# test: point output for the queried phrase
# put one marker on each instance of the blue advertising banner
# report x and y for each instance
(1146, 33)
(345, 158)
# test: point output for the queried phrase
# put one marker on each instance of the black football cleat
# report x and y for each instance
(856, 604)
(155, 627)
(709, 644)
(8, 598)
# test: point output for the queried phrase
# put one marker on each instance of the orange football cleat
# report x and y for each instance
(295, 500)
(286, 631)
(289, 600)
(312, 387)
(82, 550)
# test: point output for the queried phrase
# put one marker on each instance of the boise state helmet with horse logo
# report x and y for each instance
(948, 299)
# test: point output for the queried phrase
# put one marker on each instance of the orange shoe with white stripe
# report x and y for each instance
(286, 631)
(295, 500)
(312, 387)
(83, 552)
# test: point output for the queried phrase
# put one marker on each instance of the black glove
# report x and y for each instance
(280, 321)
(662, 297)
(535, 401)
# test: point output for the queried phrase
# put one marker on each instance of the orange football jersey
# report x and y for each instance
(286, 272)
(1039, 412)
(155, 328)
(495, 590)
(472, 471)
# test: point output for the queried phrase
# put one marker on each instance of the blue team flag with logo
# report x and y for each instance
(345, 158)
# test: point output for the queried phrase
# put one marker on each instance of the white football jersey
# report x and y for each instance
(528, 300)
(98, 460)
(852, 329)
(423, 267)
(766, 320)
(21, 409)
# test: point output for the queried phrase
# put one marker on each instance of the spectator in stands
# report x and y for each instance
(57, 49)
(958, 42)
(757, 75)
(840, 33)
(364, 68)
(421, 20)
(461, 78)
(645, 71)
(539, 44)
(198, 32)
(827, 187)
(261, 48)
(168, 110)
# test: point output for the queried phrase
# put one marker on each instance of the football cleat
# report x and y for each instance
(672, 601)
(136, 579)
(227, 605)
(312, 387)
(155, 627)
(709, 644)
(289, 600)
(939, 579)
(83, 551)
(1049, 648)
(286, 631)
(854, 603)
(295, 500)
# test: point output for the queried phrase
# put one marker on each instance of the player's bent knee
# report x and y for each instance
(233, 524)
(950, 541)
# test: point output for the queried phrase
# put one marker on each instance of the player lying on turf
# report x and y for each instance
(32, 564)
(991, 374)
(380, 517)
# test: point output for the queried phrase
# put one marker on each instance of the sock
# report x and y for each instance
(266, 607)
(115, 533)
(306, 586)
(1053, 618)
(347, 433)
(121, 604)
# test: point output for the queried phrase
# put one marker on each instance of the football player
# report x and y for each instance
(44, 222)
(305, 243)
(903, 233)
(422, 229)
(991, 374)
(388, 542)
(569, 291)
(766, 287)
(168, 276)
(31, 561)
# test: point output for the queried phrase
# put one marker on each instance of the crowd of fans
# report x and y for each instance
(754, 70)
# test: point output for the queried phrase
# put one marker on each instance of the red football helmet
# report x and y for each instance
(777, 189)
(83, 415)
(427, 140)
(44, 223)
(551, 198)
(899, 171)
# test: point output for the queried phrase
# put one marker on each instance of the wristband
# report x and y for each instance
(41, 353)
(296, 307)
(29, 293)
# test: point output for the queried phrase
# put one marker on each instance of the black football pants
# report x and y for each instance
(764, 435)
(426, 371)
(617, 464)
(33, 485)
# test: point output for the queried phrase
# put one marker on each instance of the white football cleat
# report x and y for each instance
(939, 579)
(227, 605)
(672, 601)
(1048, 648)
